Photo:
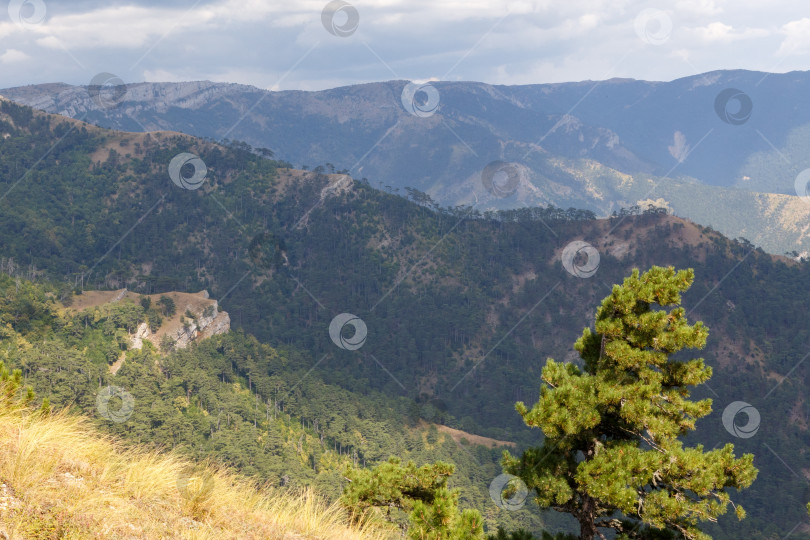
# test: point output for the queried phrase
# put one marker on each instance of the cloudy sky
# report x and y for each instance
(317, 44)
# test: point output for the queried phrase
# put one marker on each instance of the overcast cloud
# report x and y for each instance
(285, 45)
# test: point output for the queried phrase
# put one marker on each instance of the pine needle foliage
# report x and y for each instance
(612, 457)
(421, 492)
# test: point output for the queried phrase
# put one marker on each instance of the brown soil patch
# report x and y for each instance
(287, 177)
(195, 302)
(129, 140)
(91, 299)
(457, 435)
(625, 238)
(118, 363)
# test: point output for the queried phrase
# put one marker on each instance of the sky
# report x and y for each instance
(312, 45)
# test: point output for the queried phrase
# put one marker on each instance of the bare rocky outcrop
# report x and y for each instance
(136, 339)
(119, 295)
(75, 101)
(206, 318)
(338, 183)
(206, 323)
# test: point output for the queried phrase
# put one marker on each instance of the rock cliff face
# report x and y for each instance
(206, 320)
(75, 101)
(205, 324)
(136, 339)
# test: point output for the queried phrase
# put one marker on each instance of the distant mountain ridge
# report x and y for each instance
(636, 120)
(594, 145)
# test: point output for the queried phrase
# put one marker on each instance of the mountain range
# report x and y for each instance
(724, 148)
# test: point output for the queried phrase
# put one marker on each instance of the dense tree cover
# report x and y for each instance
(420, 492)
(460, 304)
(13, 391)
(612, 428)
(520, 534)
(228, 398)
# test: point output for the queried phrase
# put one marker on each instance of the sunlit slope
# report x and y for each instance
(59, 478)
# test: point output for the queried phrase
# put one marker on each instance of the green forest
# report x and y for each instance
(229, 399)
(462, 309)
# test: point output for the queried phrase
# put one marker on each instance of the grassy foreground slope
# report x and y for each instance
(60, 478)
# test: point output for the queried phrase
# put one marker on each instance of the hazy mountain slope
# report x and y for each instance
(575, 143)
(461, 308)
(646, 115)
(625, 124)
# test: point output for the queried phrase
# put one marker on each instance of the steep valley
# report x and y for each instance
(461, 307)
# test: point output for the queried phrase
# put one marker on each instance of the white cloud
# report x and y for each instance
(13, 55)
(266, 42)
(718, 32)
(699, 8)
(797, 37)
(117, 27)
(7, 28)
(681, 54)
(161, 75)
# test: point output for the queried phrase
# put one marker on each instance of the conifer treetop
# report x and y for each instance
(612, 428)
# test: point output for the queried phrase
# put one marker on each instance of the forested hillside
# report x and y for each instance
(228, 399)
(596, 145)
(460, 310)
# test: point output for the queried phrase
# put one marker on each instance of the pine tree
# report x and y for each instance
(13, 393)
(611, 456)
(421, 492)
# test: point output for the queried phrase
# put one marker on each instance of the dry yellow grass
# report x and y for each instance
(60, 478)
